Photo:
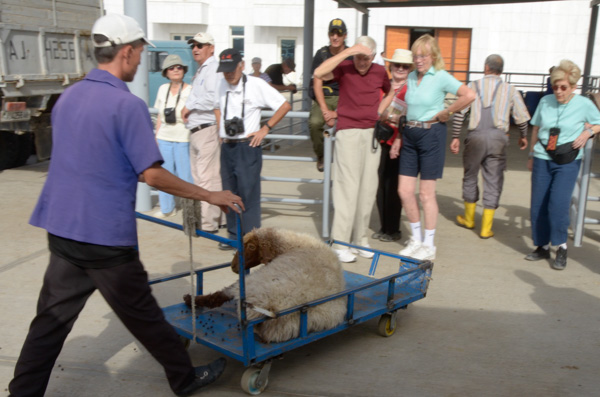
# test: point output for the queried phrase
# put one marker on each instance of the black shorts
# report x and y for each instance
(423, 151)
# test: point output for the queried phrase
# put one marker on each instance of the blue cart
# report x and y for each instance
(221, 329)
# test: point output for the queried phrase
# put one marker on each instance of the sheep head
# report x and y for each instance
(259, 247)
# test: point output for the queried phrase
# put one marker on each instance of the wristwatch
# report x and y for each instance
(590, 131)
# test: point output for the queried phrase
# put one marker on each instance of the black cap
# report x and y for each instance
(337, 24)
(228, 60)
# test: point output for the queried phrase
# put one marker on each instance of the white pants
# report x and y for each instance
(355, 183)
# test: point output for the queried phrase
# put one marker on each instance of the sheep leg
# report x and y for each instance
(213, 300)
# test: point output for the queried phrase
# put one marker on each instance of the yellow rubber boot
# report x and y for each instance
(468, 220)
(486, 223)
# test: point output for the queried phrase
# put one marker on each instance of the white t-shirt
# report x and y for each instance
(259, 94)
(172, 132)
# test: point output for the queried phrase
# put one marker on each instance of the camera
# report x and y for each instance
(234, 126)
(170, 116)
(553, 138)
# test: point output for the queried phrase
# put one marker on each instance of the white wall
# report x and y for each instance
(530, 36)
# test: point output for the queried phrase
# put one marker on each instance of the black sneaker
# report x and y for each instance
(225, 247)
(560, 262)
(386, 238)
(205, 375)
(539, 254)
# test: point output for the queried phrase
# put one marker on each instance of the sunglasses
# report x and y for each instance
(560, 87)
(420, 56)
(199, 45)
(402, 66)
(336, 32)
(175, 67)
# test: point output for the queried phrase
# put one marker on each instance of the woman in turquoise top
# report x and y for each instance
(565, 119)
(424, 140)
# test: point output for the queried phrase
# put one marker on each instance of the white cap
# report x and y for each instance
(120, 29)
(202, 38)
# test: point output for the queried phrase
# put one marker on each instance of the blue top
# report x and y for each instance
(570, 118)
(102, 141)
(427, 99)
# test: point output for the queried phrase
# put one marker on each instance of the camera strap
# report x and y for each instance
(244, 79)
(178, 95)
(554, 132)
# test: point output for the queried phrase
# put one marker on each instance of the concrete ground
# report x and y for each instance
(492, 323)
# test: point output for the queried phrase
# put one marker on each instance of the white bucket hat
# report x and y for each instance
(119, 29)
(401, 56)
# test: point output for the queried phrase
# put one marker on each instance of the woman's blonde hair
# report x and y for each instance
(566, 70)
(428, 45)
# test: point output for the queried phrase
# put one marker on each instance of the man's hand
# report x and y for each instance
(395, 150)
(523, 143)
(455, 145)
(185, 113)
(258, 136)
(226, 200)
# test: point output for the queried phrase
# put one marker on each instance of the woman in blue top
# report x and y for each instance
(424, 140)
(560, 119)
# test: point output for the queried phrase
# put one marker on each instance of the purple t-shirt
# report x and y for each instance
(359, 95)
(102, 141)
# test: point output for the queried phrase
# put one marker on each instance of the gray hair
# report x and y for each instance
(367, 42)
(495, 63)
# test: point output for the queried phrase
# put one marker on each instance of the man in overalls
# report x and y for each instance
(486, 141)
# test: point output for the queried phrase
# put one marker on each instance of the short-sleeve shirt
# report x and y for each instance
(426, 99)
(202, 98)
(172, 132)
(570, 118)
(360, 95)
(102, 141)
(258, 95)
(275, 73)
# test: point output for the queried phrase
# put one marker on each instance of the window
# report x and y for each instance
(288, 48)
(156, 60)
(179, 36)
(237, 38)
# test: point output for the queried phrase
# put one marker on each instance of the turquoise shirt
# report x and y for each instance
(427, 99)
(570, 118)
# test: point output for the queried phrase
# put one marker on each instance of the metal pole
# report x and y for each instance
(309, 23)
(587, 69)
(365, 24)
(327, 156)
(139, 87)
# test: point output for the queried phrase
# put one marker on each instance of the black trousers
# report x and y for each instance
(64, 293)
(388, 199)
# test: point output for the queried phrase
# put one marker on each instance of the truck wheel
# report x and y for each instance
(14, 149)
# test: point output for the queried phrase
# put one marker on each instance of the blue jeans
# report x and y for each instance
(240, 172)
(551, 189)
(177, 161)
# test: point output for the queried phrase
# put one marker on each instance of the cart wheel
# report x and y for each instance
(387, 325)
(185, 341)
(250, 379)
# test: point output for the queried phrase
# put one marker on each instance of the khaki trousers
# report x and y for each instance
(354, 184)
(205, 161)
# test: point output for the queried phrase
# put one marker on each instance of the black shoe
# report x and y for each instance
(539, 254)
(225, 247)
(560, 262)
(320, 165)
(377, 235)
(386, 238)
(205, 375)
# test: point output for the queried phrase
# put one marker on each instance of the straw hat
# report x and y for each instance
(172, 60)
(401, 56)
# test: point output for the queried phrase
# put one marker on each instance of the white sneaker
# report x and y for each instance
(412, 246)
(344, 255)
(363, 253)
(160, 214)
(425, 253)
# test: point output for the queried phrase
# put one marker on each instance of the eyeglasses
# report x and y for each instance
(335, 32)
(560, 87)
(175, 67)
(402, 66)
(417, 57)
(199, 45)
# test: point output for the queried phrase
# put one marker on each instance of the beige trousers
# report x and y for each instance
(355, 181)
(205, 160)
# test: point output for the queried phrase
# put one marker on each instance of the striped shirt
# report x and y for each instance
(508, 101)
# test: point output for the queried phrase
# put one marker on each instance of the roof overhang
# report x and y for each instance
(364, 5)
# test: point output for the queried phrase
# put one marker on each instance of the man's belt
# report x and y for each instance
(201, 127)
(421, 124)
(227, 140)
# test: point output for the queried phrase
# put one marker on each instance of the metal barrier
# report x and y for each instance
(580, 196)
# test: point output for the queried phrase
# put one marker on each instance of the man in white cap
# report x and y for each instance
(200, 117)
(103, 143)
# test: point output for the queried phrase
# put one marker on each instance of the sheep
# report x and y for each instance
(298, 269)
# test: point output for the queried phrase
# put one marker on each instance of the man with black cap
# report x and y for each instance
(241, 99)
(103, 142)
(325, 93)
(200, 117)
(277, 71)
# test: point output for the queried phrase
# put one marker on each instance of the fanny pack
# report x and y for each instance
(563, 154)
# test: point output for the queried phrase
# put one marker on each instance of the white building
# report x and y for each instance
(530, 36)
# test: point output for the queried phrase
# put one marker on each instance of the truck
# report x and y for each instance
(45, 46)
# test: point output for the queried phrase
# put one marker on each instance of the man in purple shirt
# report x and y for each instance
(104, 143)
